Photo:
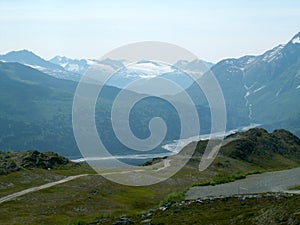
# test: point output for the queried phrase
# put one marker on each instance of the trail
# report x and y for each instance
(33, 189)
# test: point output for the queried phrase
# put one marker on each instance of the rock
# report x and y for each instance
(199, 201)
(148, 221)
(163, 208)
(123, 221)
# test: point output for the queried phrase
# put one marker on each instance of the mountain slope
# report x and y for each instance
(261, 89)
(35, 110)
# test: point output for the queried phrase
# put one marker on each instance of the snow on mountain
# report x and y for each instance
(273, 54)
(258, 89)
(296, 40)
(262, 88)
(147, 69)
(72, 65)
(237, 65)
(81, 66)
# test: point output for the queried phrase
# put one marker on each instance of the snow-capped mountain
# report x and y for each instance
(296, 40)
(73, 65)
(81, 66)
(262, 89)
(145, 70)
(28, 58)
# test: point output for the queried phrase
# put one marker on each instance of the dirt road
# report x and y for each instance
(278, 181)
(29, 190)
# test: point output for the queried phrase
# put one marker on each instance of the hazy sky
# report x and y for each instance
(211, 29)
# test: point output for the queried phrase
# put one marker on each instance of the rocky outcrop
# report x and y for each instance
(259, 147)
(14, 161)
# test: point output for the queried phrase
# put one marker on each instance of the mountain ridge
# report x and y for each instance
(28, 58)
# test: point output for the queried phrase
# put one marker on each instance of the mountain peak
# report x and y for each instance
(23, 51)
(296, 39)
(22, 56)
(59, 58)
(28, 58)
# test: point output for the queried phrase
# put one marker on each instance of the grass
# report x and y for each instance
(224, 178)
(297, 187)
(27, 178)
(173, 197)
(263, 210)
(89, 198)
(82, 199)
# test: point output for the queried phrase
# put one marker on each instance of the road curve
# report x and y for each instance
(33, 189)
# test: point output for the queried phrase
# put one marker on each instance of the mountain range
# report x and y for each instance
(36, 96)
(30, 59)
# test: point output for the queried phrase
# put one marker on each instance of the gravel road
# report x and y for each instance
(278, 181)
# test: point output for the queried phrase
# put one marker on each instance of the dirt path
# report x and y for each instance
(278, 181)
(33, 189)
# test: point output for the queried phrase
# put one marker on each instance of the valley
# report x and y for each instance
(151, 113)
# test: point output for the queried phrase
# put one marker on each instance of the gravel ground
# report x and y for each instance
(279, 181)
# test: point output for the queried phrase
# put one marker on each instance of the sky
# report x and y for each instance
(211, 29)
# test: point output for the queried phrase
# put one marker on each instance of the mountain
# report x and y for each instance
(194, 66)
(28, 58)
(262, 89)
(36, 113)
(141, 70)
(275, 90)
(146, 70)
(36, 109)
(79, 66)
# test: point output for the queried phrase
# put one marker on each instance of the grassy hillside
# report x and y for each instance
(92, 197)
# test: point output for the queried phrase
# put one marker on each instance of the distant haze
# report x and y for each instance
(213, 29)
